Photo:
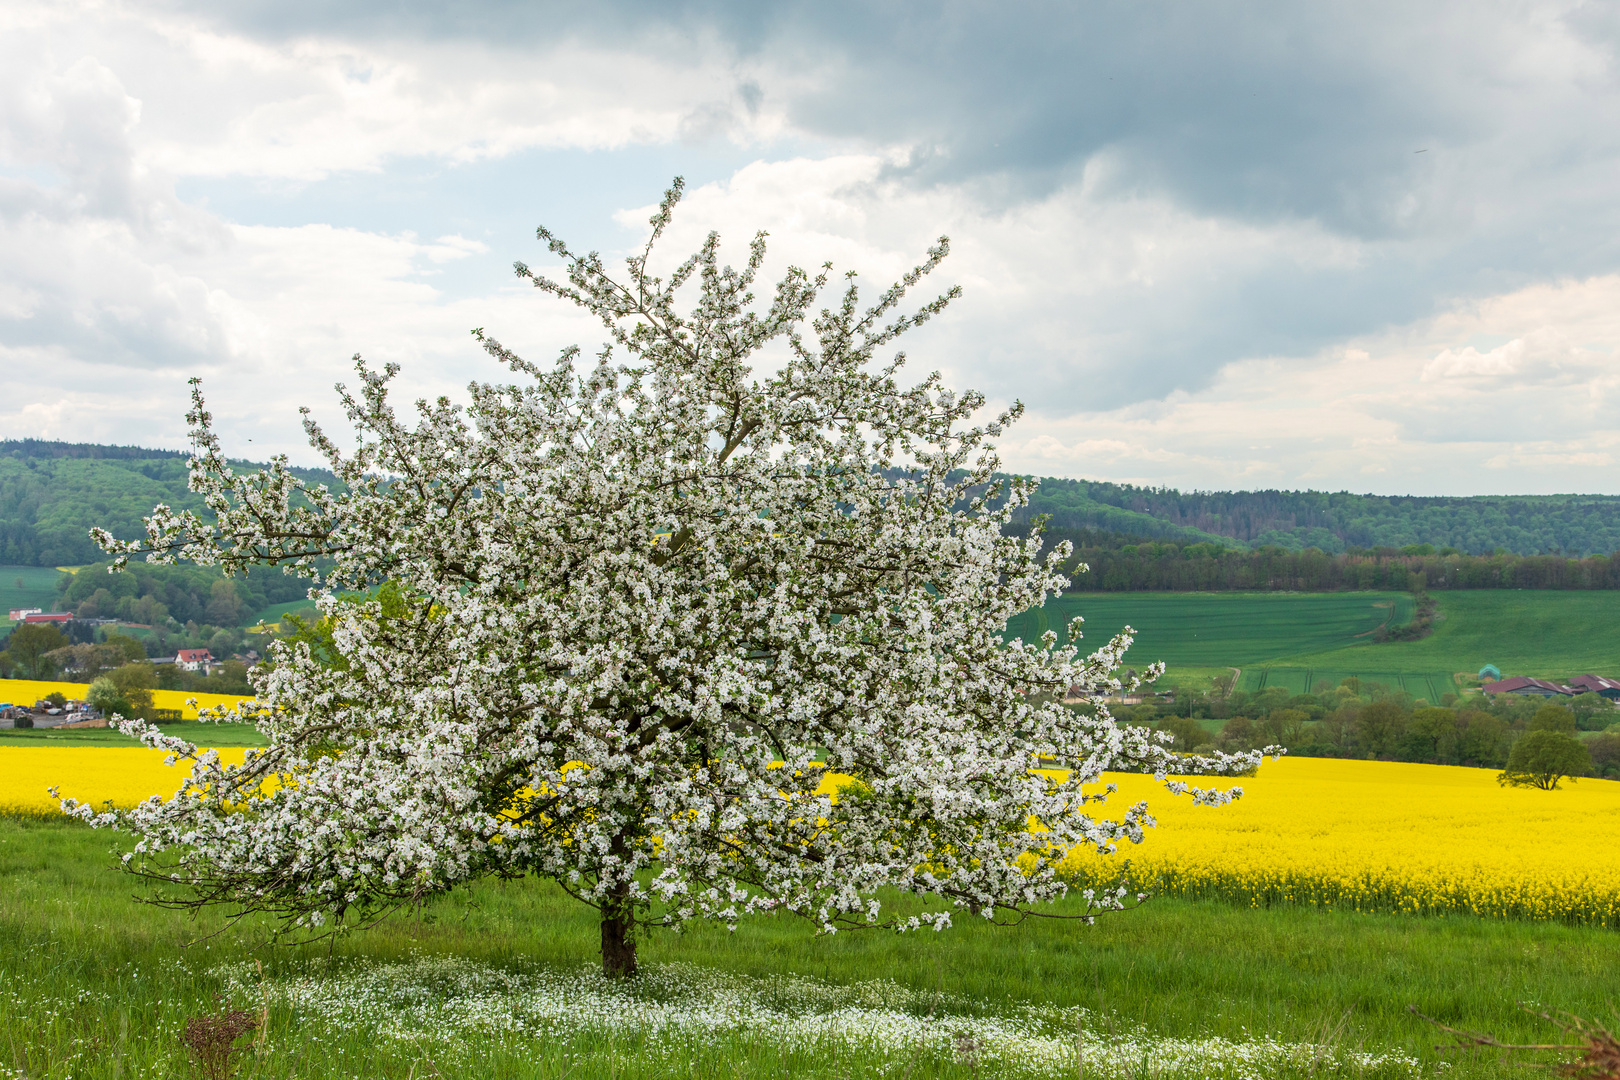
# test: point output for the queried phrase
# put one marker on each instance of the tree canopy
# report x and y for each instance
(647, 614)
(1543, 757)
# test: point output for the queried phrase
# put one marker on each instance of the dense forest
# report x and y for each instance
(1336, 522)
(52, 493)
(1139, 564)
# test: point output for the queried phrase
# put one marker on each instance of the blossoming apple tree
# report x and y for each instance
(645, 614)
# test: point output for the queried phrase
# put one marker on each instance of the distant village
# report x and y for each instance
(199, 660)
(57, 710)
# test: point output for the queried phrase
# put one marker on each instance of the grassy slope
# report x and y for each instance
(1233, 629)
(272, 613)
(1521, 631)
(211, 735)
(38, 589)
(67, 924)
(1299, 639)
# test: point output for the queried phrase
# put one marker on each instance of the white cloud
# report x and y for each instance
(216, 103)
(1170, 328)
(1410, 410)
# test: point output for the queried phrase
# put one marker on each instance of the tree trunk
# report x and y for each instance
(618, 935)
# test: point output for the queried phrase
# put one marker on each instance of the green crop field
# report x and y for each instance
(272, 613)
(1546, 633)
(1299, 640)
(1230, 629)
(26, 586)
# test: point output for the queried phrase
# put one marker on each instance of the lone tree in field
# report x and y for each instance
(642, 613)
(1546, 753)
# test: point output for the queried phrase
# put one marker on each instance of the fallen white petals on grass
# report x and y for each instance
(674, 1006)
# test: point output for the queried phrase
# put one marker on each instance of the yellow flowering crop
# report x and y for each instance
(1382, 836)
(28, 691)
(126, 775)
(1355, 835)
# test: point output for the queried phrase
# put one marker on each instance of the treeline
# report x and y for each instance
(1134, 564)
(1336, 522)
(53, 493)
(45, 651)
(1364, 719)
(174, 596)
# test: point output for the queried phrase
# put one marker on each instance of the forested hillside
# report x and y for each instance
(52, 493)
(1140, 564)
(1337, 521)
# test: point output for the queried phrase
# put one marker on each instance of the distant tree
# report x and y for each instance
(1431, 735)
(1592, 712)
(27, 648)
(1189, 734)
(1605, 751)
(1541, 758)
(85, 660)
(1379, 727)
(1283, 726)
(130, 648)
(1238, 733)
(1553, 718)
(135, 682)
(1483, 740)
(105, 697)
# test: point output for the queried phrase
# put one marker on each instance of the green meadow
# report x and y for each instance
(93, 986)
(1298, 640)
(26, 587)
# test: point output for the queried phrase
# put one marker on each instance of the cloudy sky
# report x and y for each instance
(1372, 246)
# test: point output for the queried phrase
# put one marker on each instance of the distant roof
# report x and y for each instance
(1525, 682)
(1594, 683)
(192, 654)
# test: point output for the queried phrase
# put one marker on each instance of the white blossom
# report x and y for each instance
(636, 608)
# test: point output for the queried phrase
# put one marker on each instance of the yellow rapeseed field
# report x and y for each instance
(1383, 836)
(1355, 835)
(92, 774)
(28, 691)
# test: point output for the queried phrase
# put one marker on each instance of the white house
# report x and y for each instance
(194, 660)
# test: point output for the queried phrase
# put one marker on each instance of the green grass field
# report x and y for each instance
(25, 587)
(1221, 629)
(272, 613)
(206, 735)
(1546, 633)
(93, 985)
(1299, 640)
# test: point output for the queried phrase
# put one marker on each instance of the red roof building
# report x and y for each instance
(1524, 684)
(49, 616)
(1596, 684)
(193, 659)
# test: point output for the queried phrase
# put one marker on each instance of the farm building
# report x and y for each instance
(1596, 684)
(1581, 684)
(1490, 671)
(194, 660)
(1525, 685)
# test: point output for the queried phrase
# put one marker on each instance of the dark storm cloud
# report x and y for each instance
(1251, 110)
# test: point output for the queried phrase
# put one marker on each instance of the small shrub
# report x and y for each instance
(212, 1039)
